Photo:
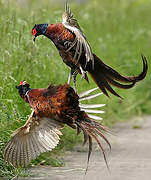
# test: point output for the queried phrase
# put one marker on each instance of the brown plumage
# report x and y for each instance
(76, 52)
(52, 108)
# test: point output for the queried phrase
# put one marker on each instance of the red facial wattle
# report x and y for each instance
(21, 83)
(34, 32)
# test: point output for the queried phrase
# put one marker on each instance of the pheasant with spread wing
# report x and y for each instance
(76, 52)
(51, 109)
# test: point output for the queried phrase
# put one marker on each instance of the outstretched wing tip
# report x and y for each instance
(23, 147)
(80, 40)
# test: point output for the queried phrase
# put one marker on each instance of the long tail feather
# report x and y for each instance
(101, 147)
(142, 75)
(90, 147)
(89, 152)
(105, 139)
(84, 132)
(105, 76)
(92, 129)
(109, 88)
(119, 85)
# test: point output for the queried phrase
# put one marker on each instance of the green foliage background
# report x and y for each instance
(118, 31)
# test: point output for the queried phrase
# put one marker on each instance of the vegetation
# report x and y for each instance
(118, 31)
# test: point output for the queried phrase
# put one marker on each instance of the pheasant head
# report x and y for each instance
(23, 88)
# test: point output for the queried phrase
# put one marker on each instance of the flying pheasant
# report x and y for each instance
(52, 107)
(76, 52)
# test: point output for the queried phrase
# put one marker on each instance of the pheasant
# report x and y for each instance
(76, 53)
(52, 108)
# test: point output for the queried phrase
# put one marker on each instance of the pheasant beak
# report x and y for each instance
(33, 38)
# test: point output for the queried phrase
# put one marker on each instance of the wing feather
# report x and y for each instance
(8, 148)
(11, 151)
(29, 150)
(38, 135)
(90, 108)
(45, 144)
(81, 42)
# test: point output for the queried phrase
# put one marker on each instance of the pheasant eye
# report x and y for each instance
(34, 32)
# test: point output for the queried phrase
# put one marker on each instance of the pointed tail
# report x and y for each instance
(105, 76)
(92, 129)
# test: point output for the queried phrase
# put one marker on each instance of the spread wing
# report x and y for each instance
(80, 41)
(38, 135)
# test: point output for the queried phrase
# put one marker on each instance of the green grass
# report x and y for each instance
(118, 31)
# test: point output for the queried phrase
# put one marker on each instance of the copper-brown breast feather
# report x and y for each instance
(46, 103)
(58, 31)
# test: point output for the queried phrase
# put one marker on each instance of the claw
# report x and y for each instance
(83, 73)
(69, 78)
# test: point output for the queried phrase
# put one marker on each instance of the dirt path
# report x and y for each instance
(130, 158)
